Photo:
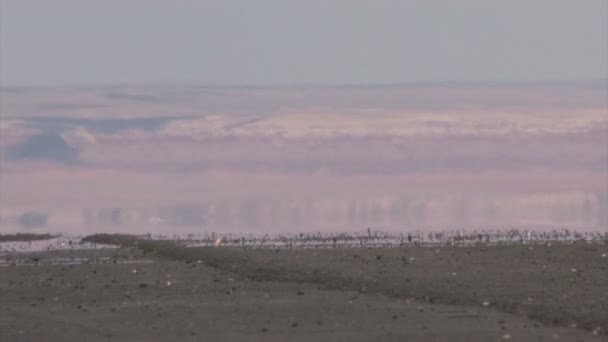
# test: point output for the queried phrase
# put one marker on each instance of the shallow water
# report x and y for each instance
(59, 243)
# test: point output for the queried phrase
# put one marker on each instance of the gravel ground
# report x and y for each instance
(128, 295)
(561, 285)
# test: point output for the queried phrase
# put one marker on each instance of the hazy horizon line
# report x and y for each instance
(448, 82)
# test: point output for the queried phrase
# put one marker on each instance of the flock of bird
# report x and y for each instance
(377, 238)
(367, 238)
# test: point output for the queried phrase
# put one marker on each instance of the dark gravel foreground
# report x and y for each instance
(564, 284)
(561, 285)
(231, 294)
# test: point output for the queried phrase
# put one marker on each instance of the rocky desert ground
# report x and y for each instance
(160, 290)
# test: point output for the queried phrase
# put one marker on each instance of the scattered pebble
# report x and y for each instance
(485, 303)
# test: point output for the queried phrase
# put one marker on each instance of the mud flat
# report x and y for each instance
(158, 291)
(24, 237)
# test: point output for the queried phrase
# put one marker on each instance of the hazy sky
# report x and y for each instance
(312, 41)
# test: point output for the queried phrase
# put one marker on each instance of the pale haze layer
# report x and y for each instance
(292, 159)
(303, 116)
(292, 42)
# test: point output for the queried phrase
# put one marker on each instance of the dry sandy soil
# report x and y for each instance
(161, 292)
